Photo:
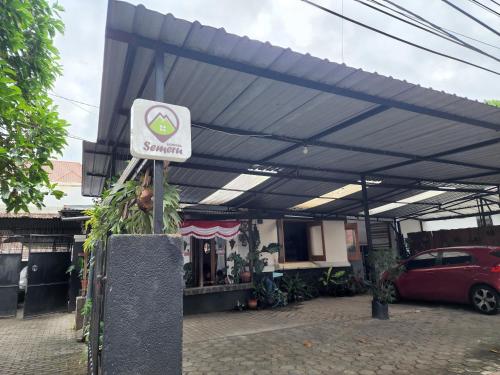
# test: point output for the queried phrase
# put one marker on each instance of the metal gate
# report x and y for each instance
(10, 265)
(48, 281)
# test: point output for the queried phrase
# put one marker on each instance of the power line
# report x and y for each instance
(77, 137)
(398, 38)
(426, 29)
(414, 17)
(488, 9)
(73, 100)
(494, 2)
(445, 30)
(456, 7)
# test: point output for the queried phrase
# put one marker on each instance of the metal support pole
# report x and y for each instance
(158, 164)
(366, 211)
(251, 247)
(483, 213)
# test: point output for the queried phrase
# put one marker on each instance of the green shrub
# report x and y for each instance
(296, 289)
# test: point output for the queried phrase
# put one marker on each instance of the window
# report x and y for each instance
(352, 242)
(456, 257)
(296, 246)
(426, 260)
(302, 241)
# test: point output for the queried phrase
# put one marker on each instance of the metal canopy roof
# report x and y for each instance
(256, 104)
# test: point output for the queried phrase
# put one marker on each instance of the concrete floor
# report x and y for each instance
(322, 336)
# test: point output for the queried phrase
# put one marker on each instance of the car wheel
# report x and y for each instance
(485, 299)
(392, 292)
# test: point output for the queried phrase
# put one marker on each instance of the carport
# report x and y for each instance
(331, 141)
(275, 134)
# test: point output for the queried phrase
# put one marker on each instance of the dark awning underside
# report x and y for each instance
(256, 104)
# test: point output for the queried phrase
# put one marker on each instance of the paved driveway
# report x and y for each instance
(40, 346)
(322, 336)
(337, 336)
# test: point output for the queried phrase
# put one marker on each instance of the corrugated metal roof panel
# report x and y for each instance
(225, 97)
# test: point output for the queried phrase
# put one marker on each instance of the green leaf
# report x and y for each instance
(32, 131)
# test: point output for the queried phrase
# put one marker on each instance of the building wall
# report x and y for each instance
(409, 226)
(335, 247)
(268, 231)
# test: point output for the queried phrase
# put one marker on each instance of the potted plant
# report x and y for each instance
(255, 260)
(267, 294)
(295, 288)
(252, 303)
(384, 269)
(238, 267)
(246, 275)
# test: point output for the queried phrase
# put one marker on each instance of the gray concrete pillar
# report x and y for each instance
(143, 306)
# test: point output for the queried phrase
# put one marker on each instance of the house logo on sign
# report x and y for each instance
(162, 121)
(160, 131)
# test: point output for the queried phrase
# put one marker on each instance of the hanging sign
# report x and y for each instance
(160, 131)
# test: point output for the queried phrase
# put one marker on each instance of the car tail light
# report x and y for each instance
(496, 268)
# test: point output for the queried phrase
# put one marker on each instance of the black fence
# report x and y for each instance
(94, 321)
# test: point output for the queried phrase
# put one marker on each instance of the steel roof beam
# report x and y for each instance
(189, 165)
(330, 130)
(374, 199)
(315, 169)
(293, 195)
(137, 40)
(331, 145)
(439, 154)
(476, 175)
(449, 204)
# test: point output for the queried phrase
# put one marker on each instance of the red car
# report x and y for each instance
(459, 274)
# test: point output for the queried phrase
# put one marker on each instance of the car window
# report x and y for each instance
(456, 257)
(495, 253)
(422, 261)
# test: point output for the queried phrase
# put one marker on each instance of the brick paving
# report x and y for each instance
(40, 346)
(337, 336)
(322, 336)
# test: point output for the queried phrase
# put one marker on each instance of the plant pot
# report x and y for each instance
(252, 304)
(380, 310)
(245, 276)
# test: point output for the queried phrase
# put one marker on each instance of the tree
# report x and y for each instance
(493, 102)
(31, 132)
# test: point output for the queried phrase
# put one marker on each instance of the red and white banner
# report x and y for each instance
(210, 229)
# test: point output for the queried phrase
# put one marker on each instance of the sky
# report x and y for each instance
(293, 24)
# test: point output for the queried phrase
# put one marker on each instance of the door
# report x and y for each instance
(454, 276)
(204, 261)
(10, 265)
(48, 283)
(419, 279)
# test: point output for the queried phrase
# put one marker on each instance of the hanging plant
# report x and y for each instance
(129, 210)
